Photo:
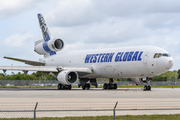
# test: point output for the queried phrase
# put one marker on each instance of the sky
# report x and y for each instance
(89, 24)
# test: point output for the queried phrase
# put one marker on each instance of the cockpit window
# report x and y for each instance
(158, 55)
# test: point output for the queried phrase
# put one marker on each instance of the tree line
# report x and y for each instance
(167, 76)
(22, 76)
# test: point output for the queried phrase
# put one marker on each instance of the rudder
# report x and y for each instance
(45, 32)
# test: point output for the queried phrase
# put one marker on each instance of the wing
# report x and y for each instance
(29, 62)
(50, 69)
(39, 66)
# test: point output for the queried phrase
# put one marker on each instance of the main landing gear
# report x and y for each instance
(110, 85)
(147, 88)
(85, 85)
(64, 87)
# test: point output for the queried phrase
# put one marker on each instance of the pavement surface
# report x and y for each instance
(131, 101)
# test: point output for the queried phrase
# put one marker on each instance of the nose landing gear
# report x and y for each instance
(147, 88)
(146, 81)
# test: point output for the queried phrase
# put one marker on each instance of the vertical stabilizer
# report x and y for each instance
(45, 32)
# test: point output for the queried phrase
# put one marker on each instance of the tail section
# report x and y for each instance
(45, 32)
(47, 46)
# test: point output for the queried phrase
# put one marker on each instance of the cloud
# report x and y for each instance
(79, 12)
(162, 20)
(72, 13)
(136, 8)
(17, 40)
(9, 8)
(18, 46)
(112, 22)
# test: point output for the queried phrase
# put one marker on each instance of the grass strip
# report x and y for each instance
(123, 117)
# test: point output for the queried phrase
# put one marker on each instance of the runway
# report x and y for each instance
(165, 93)
(96, 98)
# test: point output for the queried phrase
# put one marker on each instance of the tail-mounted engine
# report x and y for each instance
(52, 46)
(141, 81)
(67, 77)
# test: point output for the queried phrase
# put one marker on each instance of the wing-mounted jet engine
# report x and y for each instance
(142, 81)
(67, 77)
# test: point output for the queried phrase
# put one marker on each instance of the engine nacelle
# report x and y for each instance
(141, 81)
(50, 46)
(67, 77)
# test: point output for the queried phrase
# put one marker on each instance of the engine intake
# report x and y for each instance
(51, 46)
(58, 44)
(67, 77)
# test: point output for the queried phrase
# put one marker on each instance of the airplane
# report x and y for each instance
(139, 63)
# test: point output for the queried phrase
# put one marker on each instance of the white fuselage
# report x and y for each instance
(124, 62)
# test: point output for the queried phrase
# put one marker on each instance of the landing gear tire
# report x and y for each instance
(109, 86)
(115, 86)
(84, 87)
(88, 86)
(69, 87)
(147, 87)
(60, 87)
(105, 86)
(64, 87)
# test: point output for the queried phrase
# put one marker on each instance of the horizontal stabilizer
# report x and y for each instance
(29, 62)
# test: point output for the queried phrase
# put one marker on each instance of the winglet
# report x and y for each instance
(45, 32)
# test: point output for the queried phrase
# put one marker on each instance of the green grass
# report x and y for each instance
(91, 87)
(123, 117)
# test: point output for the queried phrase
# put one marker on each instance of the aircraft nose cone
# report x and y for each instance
(170, 64)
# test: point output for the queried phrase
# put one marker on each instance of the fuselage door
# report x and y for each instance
(145, 61)
(145, 58)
